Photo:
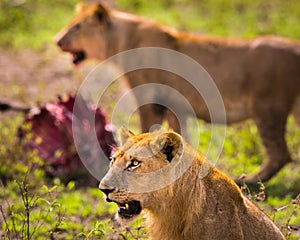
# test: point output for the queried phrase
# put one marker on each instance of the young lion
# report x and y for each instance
(184, 196)
(257, 78)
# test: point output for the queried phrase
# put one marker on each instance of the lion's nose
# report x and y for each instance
(59, 43)
(107, 190)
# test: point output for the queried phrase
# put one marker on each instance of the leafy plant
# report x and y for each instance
(25, 217)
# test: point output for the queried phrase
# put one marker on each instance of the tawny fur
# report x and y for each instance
(208, 207)
(258, 78)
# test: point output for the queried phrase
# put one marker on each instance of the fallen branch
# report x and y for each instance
(4, 107)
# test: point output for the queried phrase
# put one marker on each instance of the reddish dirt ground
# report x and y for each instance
(29, 78)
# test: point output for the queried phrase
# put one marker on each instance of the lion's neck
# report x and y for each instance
(121, 34)
(170, 219)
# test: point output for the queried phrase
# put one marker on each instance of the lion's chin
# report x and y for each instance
(129, 210)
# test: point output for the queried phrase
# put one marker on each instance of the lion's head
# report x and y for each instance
(84, 37)
(140, 163)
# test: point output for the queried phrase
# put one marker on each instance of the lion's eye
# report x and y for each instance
(75, 28)
(133, 165)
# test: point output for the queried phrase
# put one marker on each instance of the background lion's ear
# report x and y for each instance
(102, 12)
(124, 135)
(80, 7)
(169, 144)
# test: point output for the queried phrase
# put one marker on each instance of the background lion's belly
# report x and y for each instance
(237, 111)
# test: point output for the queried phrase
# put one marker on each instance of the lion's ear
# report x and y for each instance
(125, 134)
(169, 143)
(102, 12)
(80, 7)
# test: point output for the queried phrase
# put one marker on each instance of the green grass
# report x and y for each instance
(32, 23)
(222, 17)
(80, 213)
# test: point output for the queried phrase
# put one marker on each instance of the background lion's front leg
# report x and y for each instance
(151, 117)
(177, 123)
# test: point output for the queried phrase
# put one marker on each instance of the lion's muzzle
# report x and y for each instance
(127, 209)
(106, 190)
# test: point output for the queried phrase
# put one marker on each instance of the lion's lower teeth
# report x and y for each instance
(126, 206)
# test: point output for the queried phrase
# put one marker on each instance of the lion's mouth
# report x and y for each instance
(78, 57)
(129, 209)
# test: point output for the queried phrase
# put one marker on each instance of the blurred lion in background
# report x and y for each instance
(257, 78)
